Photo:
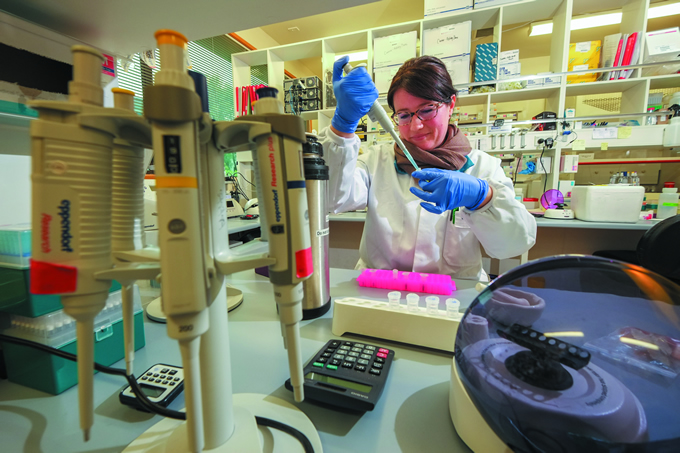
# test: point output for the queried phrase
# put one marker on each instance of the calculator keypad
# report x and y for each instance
(358, 357)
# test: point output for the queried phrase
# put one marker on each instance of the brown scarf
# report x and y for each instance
(450, 155)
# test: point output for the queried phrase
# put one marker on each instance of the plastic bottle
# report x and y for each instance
(668, 201)
(614, 178)
(623, 179)
(636, 179)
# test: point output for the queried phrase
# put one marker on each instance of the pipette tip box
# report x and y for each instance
(15, 245)
(407, 281)
(15, 297)
(51, 374)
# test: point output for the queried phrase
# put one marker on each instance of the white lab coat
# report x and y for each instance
(400, 234)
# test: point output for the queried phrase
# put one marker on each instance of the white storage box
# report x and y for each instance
(614, 203)
(384, 76)
(442, 7)
(459, 69)
(395, 49)
(447, 41)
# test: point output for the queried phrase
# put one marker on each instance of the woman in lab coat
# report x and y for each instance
(468, 200)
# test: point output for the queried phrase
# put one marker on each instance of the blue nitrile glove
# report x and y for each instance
(355, 94)
(449, 189)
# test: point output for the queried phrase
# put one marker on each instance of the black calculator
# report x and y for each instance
(347, 374)
(161, 384)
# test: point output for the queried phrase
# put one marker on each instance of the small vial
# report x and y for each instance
(452, 308)
(412, 300)
(432, 303)
(394, 298)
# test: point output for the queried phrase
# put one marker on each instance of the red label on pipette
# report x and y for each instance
(304, 263)
(50, 278)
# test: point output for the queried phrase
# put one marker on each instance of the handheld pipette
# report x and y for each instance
(183, 267)
(71, 207)
(379, 115)
(284, 199)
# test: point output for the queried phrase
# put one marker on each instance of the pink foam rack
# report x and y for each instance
(407, 281)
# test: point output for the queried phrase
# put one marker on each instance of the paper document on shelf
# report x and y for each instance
(578, 145)
(601, 133)
(624, 132)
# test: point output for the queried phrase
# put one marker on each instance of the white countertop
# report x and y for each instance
(540, 222)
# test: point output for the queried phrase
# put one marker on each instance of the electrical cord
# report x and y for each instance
(142, 398)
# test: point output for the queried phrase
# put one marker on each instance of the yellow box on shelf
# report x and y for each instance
(584, 55)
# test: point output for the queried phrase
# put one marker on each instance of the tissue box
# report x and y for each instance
(486, 61)
(615, 203)
(584, 55)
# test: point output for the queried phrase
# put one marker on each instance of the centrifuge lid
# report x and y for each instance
(575, 353)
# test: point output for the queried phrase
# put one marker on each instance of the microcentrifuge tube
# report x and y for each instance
(452, 307)
(412, 302)
(394, 298)
(432, 305)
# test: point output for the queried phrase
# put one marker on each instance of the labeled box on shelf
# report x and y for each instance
(435, 8)
(447, 41)
(508, 56)
(489, 3)
(662, 45)
(395, 49)
(383, 77)
(569, 163)
(584, 55)
(486, 61)
(43, 371)
(459, 69)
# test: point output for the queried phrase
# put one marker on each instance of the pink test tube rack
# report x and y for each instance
(407, 281)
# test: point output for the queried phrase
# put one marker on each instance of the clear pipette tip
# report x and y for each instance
(86, 434)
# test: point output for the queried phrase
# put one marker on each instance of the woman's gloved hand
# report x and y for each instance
(355, 94)
(449, 189)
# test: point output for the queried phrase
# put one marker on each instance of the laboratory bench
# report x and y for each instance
(553, 237)
(412, 414)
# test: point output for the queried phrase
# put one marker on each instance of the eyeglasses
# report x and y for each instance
(425, 113)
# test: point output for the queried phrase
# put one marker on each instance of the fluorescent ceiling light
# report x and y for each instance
(541, 29)
(356, 56)
(579, 23)
(663, 10)
(596, 21)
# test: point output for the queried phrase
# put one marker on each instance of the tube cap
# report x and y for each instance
(201, 84)
(267, 92)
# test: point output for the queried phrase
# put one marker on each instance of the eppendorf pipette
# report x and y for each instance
(379, 115)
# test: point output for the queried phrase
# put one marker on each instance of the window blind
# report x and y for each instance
(212, 58)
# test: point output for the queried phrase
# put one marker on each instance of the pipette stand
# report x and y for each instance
(229, 423)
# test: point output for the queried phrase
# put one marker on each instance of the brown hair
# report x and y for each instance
(425, 77)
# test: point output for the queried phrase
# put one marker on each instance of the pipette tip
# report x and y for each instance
(86, 434)
(298, 393)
